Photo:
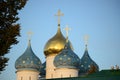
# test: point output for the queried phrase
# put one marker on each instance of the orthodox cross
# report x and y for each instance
(67, 30)
(59, 14)
(30, 33)
(86, 37)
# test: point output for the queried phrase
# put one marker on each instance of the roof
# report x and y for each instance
(28, 60)
(67, 58)
(55, 44)
(87, 64)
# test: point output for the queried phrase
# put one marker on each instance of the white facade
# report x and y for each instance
(27, 75)
(66, 72)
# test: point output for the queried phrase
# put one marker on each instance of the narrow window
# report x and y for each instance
(51, 75)
(61, 75)
(30, 78)
(21, 78)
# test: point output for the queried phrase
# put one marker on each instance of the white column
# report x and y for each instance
(50, 68)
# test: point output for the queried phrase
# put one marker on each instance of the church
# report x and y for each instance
(61, 60)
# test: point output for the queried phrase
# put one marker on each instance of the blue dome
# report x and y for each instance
(87, 64)
(67, 58)
(28, 60)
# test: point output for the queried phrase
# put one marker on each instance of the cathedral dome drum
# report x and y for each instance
(28, 60)
(67, 58)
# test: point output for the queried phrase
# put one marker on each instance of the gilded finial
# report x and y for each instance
(67, 30)
(59, 14)
(86, 37)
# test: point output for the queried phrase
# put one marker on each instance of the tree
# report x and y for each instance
(92, 69)
(9, 29)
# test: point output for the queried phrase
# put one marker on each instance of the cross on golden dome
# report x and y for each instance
(59, 14)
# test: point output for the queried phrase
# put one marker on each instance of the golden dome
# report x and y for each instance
(55, 44)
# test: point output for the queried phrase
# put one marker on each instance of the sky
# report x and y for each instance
(100, 19)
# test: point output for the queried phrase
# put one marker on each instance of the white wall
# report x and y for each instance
(27, 75)
(66, 72)
(50, 68)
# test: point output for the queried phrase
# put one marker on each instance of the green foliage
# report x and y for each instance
(9, 29)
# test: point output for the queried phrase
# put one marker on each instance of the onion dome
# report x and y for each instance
(43, 70)
(28, 60)
(55, 44)
(87, 64)
(67, 58)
